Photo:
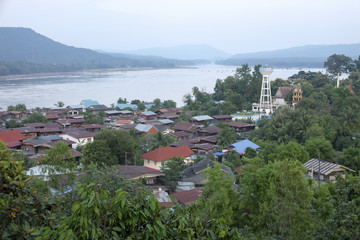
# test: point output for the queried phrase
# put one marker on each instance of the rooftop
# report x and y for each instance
(187, 197)
(165, 153)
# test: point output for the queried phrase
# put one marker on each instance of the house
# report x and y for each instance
(12, 138)
(222, 118)
(92, 127)
(88, 102)
(242, 128)
(203, 149)
(97, 108)
(76, 122)
(188, 197)
(239, 147)
(181, 135)
(155, 158)
(186, 127)
(124, 122)
(147, 115)
(193, 177)
(75, 109)
(146, 129)
(79, 137)
(33, 146)
(137, 172)
(209, 131)
(325, 171)
(279, 99)
(201, 120)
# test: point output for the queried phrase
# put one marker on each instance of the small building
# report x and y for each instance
(155, 158)
(297, 95)
(124, 122)
(147, 115)
(201, 120)
(79, 137)
(209, 131)
(188, 197)
(242, 128)
(92, 127)
(131, 172)
(325, 171)
(186, 127)
(146, 129)
(97, 108)
(239, 147)
(12, 138)
(75, 109)
(222, 118)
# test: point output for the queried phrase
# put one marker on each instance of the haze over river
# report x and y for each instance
(106, 87)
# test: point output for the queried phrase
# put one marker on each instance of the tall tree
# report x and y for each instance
(338, 64)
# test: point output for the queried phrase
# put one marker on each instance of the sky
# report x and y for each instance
(234, 26)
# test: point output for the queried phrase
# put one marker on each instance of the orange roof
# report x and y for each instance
(165, 153)
(11, 136)
(124, 121)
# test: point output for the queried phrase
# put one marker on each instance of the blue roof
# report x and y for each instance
(88, 102)
(147, 106)
(126, 105)
(219, 154)
(241, 146)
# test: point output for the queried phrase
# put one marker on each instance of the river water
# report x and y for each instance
(106, 87)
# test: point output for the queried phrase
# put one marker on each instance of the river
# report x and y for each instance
(106, 87)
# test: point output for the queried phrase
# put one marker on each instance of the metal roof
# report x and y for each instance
(125, 105)
(202, 118)
(241, 146)
(88, 102)
(147, 113)
(143, 127)
(322, 166)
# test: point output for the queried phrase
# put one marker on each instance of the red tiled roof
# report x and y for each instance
(11, 136)
(165, 153)
(187, 197)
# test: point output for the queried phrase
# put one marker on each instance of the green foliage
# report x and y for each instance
(350, 157)
(169, 104)
(277, 197)
(98, 152)
(59, 104)
(92, 118)
(122, 145)
(140, 106)
(338, 64)
(172, 169)
(122, 100)
(219, 195)
(12, 123)
(18, 107)
(227, 136)
(319, 146)
(35, 118)
(292, 150)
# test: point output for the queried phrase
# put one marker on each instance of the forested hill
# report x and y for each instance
(303, 56)
(22, 51)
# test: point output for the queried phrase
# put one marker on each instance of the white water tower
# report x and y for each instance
(265, 96)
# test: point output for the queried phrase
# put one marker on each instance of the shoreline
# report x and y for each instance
(53, 74)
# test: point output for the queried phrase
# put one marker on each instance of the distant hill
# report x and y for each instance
(184, 52)
(22, 51)
(303, 56)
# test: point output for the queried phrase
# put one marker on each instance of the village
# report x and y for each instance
(196, 139)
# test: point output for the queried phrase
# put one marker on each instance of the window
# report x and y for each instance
(155, 163)
(148, 161)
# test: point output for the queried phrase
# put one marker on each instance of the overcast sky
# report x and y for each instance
(235, 26)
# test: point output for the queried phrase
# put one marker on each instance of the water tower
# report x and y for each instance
(265, 96)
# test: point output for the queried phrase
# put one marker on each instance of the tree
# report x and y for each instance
(59, 104)
(338, 64)
(12, 123)
(18, 107)
(140, 106)
(316, 146)
(292, 150)
(169, 104)
(227, 136)
(122, 100)
(172, 169)
(350, 157)
(122, 145)
(36, 118)
(91, 118)
(277, 198)
(98, 152)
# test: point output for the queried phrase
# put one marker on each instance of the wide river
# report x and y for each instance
(106, 87)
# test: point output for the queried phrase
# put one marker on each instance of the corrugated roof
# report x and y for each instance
(143, 127)
(202, 118)
(325, 167)
(88, 102)
(147, 113)
(241, 146)
(125, 105)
